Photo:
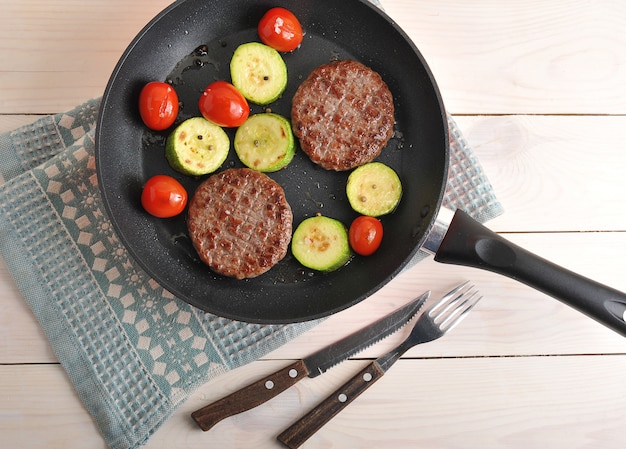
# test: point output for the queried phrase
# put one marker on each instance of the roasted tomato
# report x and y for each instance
(280, 29)
(222, 104)
(365, 235)
(163, 196)
(158, 105)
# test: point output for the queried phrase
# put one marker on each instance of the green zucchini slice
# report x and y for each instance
(321, 243)
(374, 189)
(197, 147)
(258, 72)
(265, 142)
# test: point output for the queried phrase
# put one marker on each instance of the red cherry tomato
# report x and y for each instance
(365, 235)
(158, 105)
(222, 104)
(280, 29)
(163, 196)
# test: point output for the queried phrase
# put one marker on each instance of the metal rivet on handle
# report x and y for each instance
(293, 373)
(367, 377)
(269, 384)
(342, 398)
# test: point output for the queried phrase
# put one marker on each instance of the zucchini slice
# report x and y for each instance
(197, 147)
(258, 72)
(374, 189)
(265, 142)
(321, 243)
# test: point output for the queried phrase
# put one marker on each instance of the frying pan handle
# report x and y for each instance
(469, 243)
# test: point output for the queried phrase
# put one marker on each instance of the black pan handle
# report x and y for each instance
(469, 243)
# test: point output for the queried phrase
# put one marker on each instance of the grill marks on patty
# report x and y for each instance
(343, 115)
(240, 223)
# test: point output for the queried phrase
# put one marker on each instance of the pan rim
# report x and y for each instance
(108, 96)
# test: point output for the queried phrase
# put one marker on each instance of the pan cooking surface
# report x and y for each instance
(190, 45)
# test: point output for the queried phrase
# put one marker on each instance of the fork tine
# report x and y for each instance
(460, 312)
(454, 306)
(445, 301)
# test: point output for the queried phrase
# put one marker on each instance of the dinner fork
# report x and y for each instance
(439, 319)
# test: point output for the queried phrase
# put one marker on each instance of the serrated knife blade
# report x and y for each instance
(317, 363)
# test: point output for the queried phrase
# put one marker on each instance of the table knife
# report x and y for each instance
(270, 386)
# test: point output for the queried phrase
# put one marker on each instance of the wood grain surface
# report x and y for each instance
(539, 90)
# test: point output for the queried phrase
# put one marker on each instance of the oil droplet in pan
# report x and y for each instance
(195, 60)
(201, 50)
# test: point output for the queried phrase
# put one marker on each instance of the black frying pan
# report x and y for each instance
(127, 154)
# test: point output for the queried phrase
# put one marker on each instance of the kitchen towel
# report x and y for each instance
(132, 351)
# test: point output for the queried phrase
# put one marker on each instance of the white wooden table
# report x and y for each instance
(539, 89)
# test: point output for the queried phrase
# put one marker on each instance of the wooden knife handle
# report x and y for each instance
(310, 423)
(251, 396)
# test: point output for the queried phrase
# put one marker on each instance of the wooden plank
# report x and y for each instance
(557, 173)
(519, 56)
(511, 320)
(488, 57)
(72, 46)
(488, 403)
(39, 409)
(530, 402)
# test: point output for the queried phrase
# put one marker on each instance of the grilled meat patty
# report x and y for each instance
(343, 115)
(240, 223)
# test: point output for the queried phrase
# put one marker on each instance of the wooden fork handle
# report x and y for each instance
(310, 423)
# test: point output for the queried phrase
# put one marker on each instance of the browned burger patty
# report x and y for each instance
(240, 223)
(343, 115)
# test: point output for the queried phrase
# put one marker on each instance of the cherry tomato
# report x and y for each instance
(365, 235)
(158, 105)
(222, 104)
(280, 29)
(163, 196)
